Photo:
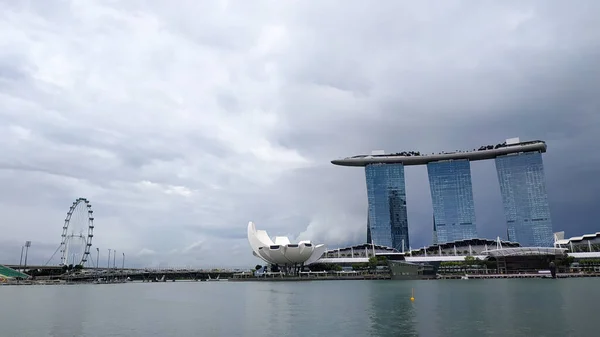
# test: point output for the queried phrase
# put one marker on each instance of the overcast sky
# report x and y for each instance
(181, 121)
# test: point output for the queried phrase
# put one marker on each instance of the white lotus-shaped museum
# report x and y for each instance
(281, 251)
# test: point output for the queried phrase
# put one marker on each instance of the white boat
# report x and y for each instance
(465, 277)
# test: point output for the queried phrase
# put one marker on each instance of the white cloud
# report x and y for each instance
(181, 123)
(146, 252)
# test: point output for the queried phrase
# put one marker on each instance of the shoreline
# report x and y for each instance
(516, 276)
(336, 278)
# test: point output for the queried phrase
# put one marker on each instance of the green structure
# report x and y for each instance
(11, 273)
(402, 270)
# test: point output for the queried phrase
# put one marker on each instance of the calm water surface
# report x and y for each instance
(322, 308)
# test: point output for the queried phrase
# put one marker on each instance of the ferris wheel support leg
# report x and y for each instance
(51, 257)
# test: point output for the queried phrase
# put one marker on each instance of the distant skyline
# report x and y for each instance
(182, 123)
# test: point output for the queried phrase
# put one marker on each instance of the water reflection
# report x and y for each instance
(580, 305)
(537, 306)
(68, 316)
(272, 303)
(305, 308)
(391, 312)
(469, 308)
(323, 308)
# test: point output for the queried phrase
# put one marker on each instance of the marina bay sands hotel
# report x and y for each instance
(522, 185)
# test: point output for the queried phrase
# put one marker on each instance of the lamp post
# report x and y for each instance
(108, 263)
(20, 263)
(21, 259)
(114, 257)
(27, 245)
(97, 257)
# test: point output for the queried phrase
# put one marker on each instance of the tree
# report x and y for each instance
(360, 266)
(490, 264)
(568, 261)
(373, 262)
(469, 261)
(324, 267)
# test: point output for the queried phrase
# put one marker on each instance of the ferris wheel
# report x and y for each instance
(77, 234)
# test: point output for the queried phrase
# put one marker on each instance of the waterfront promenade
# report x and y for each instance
(110, 276)
(514, 276)
(239, 277)
(90, 275)
(244, 277)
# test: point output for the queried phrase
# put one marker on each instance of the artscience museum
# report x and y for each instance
(281, 252)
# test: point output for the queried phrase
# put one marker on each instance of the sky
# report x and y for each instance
(181, 123)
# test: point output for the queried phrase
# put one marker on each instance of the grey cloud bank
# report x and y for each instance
(182, 123)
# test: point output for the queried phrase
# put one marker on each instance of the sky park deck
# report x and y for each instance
(416, 158)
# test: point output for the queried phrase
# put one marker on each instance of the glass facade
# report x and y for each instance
(387, 224)
(523, 188)
(452, 199)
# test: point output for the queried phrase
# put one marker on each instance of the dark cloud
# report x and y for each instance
(183, 123)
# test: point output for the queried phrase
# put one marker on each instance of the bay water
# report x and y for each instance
(530, 307)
